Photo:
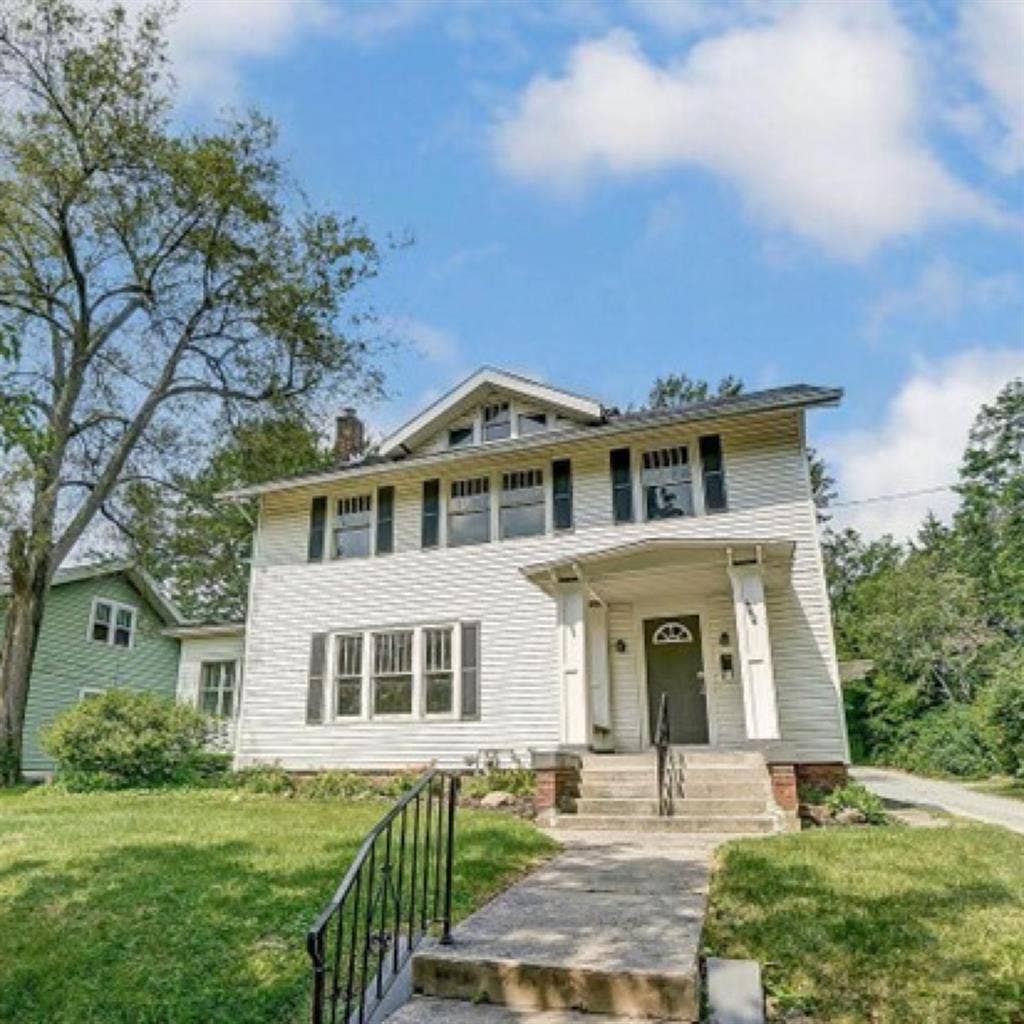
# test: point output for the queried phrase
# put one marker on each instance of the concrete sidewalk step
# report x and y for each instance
(428, 1010)
(715, 824)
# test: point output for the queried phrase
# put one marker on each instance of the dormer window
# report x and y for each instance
(497, 422)
(532, 423)
(459, 437)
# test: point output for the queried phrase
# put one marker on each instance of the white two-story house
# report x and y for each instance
(520, 569)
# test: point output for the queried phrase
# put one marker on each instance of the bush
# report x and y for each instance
(338, 785)
(396, 785)
(1003, 705)
(125, 738)
(517, 781)
(266, 779)
(860, 798)
(955, 740)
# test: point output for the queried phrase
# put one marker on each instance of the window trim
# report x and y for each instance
(545, 503)
(364, 653)
(392, 716)
(236, 689)
(371, 512)
(695, 481)
(115, 606)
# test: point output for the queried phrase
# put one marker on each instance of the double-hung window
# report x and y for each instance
(469, 511)
(352, 527)
(438, 678)
(667, 483)
(392, 672)
(218, 681)
(522, 509)
(112, 623)
(348, 678)
(497, 422)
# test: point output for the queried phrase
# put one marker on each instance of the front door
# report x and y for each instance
(675, 666)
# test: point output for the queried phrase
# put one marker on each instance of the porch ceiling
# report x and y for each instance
(703, 559)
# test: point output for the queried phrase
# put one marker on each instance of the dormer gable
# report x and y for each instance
(490, 405)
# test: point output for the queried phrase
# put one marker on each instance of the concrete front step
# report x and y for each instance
(428, 1010)
(725, 790)
(624, 806)
(719, 806)
(739, 824)
(735, 775)
(712, 758)
(641, 789)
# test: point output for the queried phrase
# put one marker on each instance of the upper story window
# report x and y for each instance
(112, 623)
(667, 483)
(522, 509)
(352, 527)
(217, 688)
(497, 422)
(460, 436)
(532, 423)
(469, 511)
(713, 472)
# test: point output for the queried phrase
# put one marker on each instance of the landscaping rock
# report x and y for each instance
(498, 798)
(851, 816)
(816, 814)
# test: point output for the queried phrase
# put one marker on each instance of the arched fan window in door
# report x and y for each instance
(672, 633)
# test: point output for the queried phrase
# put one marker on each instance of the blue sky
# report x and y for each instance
(600, 193)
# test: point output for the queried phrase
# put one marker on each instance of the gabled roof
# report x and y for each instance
(469, 391)
(794, 396)
(139, 578)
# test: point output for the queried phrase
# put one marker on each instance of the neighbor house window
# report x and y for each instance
(112, 623)
(713, 471)
(497, 422)
(532, 423)
(217, 686)
(666, 481)
(348, 679)
(561, 494)
(469, 511)
(521, 512)
(438, 679)
(392, 673)
(622, 485)
(89, 693)
(352, 527)
(459, 436)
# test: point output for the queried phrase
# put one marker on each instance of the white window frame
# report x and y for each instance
(366, 651)
(331, 554)
(236, 691)
(393, 716)
(115, 607)
(546, 499)
(455, 628)
(492, 505)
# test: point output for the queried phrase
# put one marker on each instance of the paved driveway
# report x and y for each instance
(949, 796)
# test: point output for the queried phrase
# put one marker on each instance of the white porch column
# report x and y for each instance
(599, 684)
(755, 652)
(572, 657)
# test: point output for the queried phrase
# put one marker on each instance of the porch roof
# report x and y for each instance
(772, 552)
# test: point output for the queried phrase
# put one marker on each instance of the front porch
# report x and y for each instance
(685, 618)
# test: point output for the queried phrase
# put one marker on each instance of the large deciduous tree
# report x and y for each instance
(160, 283)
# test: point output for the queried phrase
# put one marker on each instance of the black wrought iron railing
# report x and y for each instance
(397, 890)
(662, 744)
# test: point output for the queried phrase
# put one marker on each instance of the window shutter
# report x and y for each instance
(470, 670)
(317, 527)
(561, 494)
(385, 520)
(713, 472)
(430, 532)
(315, 691)
(622, 485)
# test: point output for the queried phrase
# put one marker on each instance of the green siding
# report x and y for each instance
(67, 660)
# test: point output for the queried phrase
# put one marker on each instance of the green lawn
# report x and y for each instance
(185, 907)
(879, 926)
(1001, 787)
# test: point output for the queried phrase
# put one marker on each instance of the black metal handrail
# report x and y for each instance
(390, 897)
(663, 746)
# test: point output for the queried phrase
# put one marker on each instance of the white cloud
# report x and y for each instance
(940, 292)
(434, 344)
(992, 39)
(814, 117)
(917, 443)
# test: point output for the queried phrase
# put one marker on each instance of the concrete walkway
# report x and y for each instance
(947, 796)
(611, 926)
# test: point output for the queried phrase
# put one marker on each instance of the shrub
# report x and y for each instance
(125, 738)
(337, 785)
(212, 768)
(954, 740)
(1003, 705)
(395, 785)
(517, 781)
(860, 798)
(268, 779)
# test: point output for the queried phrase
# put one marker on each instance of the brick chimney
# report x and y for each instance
(349, 436)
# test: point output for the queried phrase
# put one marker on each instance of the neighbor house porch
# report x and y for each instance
(688, 618)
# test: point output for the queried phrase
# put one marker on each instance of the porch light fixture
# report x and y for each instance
(620, 646)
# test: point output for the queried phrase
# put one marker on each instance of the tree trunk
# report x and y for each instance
(21, 634)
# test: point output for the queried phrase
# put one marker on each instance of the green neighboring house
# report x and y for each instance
(103, 628)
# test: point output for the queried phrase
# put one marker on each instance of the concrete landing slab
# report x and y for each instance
(735, 992)
(425, 1010)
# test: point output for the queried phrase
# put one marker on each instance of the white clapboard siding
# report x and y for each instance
(520, 703)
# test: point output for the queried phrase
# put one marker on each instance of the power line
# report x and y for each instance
(892, 497)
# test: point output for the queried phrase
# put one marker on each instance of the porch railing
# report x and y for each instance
(666, 775)
(398, 887)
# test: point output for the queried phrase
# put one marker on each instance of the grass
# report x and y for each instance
(1013, 788)
(190, 906)
(880, 926)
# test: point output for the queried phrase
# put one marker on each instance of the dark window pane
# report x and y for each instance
(431, 513)
(521, 513)
(101, 616)
(352, 527)
(439, 694)
(714, 473)
(317, 528)
(532, 423)
(459, 436)
(315, 691)
(666, 482)
(622, 485)
(349, 698)
(385, 520)
(392, 695)
(497, 422)
(561, 490)
(470, 670)
(469, 512)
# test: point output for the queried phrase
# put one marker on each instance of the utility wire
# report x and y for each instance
(891, 497)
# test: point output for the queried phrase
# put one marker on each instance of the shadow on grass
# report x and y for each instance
(855, 938)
